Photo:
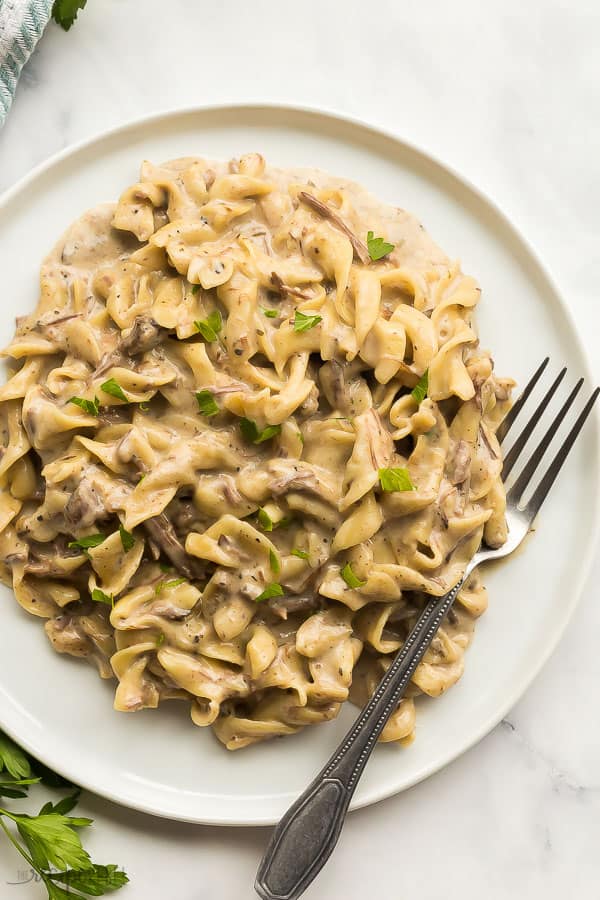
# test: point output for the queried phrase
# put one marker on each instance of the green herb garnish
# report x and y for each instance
(168, 584)
(419, 392)
(210, 327)
(271, 590)
(86, 543)
(377, 247)
(144, 407)
(270, 313)
(305, 323)
(113, 388)
(265, 520)
(160, 640)
(64, 12)
(99, 596)
(252, 434)
(127, 539)
(195, 288)
(49, 841)
(207, 404)
(395, 480)
(350, 578)
(92, 407)
(274, 562)
(301, 554)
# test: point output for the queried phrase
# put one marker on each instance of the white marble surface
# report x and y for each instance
(508, 92)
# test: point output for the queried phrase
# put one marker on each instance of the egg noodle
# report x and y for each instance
(247, 433)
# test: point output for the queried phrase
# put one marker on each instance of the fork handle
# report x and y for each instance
(307, 834)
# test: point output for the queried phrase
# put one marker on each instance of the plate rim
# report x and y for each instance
(377, 793)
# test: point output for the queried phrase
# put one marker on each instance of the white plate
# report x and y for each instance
(157, 761)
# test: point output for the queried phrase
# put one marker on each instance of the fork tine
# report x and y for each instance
(518, 405)
(516, 491)
(515, 451)
(547, 481)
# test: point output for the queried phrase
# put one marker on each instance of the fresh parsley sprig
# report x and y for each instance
(50, 841)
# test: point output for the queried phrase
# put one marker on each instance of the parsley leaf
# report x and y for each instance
(265, 520)
(210, 327)
(250, 431)
(113, 388)
(305, 323)
(271, 590)
(207, 404)
(86, 543)
(52, 840)
(195, 288)
(160, 639)
(12, 759)
(419, 392)
(168, 584)
(350, 578)
(301, 554)
(270, 313)
(377, 247)
(99, 596)
(274, 562)
(92, 407)
(64, 12)
(395, 480)
(95, 881)
(127, 539)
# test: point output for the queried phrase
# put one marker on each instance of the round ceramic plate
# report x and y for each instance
(158, 761)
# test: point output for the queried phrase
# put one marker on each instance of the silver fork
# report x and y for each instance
(307, 834)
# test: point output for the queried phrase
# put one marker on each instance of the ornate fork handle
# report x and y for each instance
(307, 834)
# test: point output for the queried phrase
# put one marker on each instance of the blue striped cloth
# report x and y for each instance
(21, 25)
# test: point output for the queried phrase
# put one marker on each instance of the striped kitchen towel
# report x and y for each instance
(21, 25)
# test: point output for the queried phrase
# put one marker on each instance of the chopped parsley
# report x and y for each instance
(252, 433)
(210, 327)
(271, 590)
(168, 584)
(350, 578)
(274, 562)
(270, 313)
(419, 392)
(160, 640)
(86, 543)
(378, 247)
(195, 288)
(113, 388)
(99, 596)
(305, 323)
(207, 403)
(395, 480)
(127, 539)
(92, 407)
(265, 520)
(301, 554)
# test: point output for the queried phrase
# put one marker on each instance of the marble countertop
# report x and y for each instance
(507, 92)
